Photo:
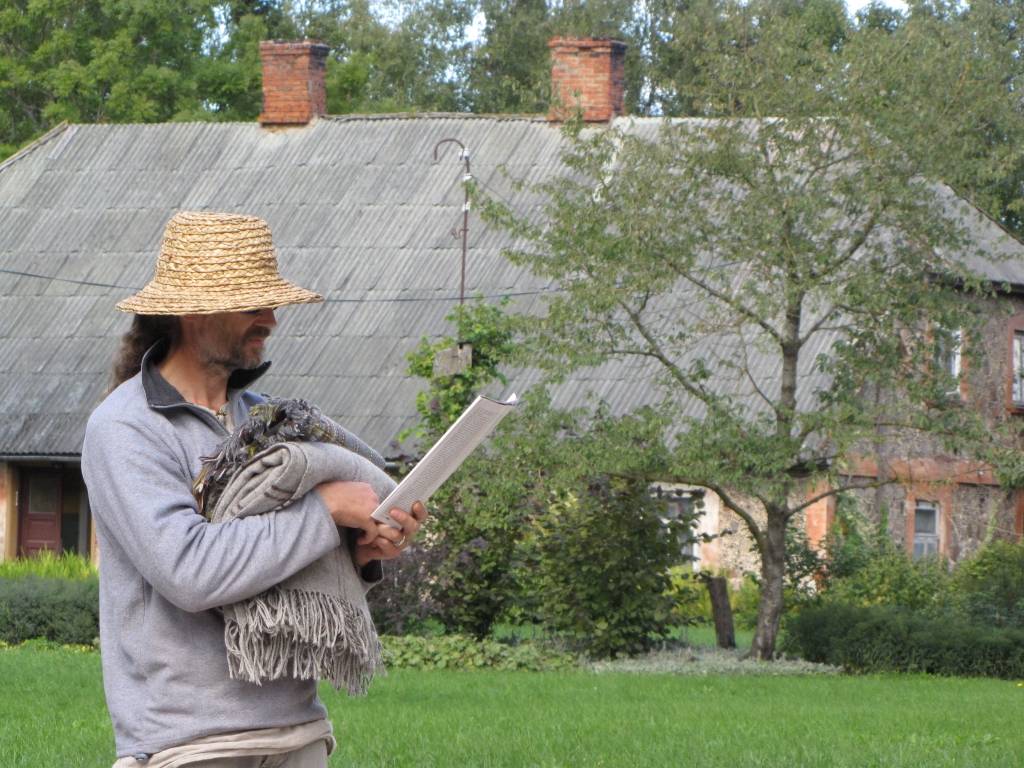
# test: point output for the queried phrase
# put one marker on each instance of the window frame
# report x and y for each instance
(951, 361)
(933, 539)
(1015, 327)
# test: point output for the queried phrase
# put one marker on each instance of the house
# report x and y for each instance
(362, 212)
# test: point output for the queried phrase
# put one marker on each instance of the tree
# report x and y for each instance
(95, 61)
(551, 521)
(784, 271)
(509, 69)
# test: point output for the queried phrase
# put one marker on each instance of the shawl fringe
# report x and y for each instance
(304, 635)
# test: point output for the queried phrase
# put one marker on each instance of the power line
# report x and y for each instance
(66, 280)
(382, 300)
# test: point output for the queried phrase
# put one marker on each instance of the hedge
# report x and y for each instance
(60, 610)
(464, 652)
(896, 639)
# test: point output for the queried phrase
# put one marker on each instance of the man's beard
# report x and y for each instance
(237, 354)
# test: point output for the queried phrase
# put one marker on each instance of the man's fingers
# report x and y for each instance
(369, 536)
(419, 511)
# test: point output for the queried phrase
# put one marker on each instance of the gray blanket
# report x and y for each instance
(315, 624)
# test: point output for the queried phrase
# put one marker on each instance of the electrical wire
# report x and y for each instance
(382, 300)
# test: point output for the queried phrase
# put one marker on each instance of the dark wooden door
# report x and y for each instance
(39, 509)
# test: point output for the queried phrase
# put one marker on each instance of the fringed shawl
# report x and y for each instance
(315, 624)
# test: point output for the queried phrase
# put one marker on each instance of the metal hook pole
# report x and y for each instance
(464, 156)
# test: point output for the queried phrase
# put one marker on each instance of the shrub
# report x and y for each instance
(602, 569)
(891, 577)
(464, 652)
(47, 565)
(745, 601)
(60, 610)
(691, 603)
(896, 639)
(989, 587)
(401, 602)
(864, 566)
(688, 593)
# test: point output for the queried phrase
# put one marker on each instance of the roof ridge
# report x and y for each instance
(510, 116)
(33, 145)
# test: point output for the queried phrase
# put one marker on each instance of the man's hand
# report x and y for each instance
(351, 505)
(390, 542)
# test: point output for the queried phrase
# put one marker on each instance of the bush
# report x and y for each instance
(863, 566)
(892, 578)
(60, 610)
(602, 567)
(688, 593)
(990, 586)
(464, 652)
(401, 602)
(745, 602)
(896, 639)
(47, 565)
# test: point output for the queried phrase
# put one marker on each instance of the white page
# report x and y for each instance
(446, 455)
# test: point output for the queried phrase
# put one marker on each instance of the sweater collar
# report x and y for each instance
(160, 392)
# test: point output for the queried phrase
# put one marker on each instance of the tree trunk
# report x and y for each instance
(722, 611)
(773, 571)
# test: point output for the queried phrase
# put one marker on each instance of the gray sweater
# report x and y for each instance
(164, 569)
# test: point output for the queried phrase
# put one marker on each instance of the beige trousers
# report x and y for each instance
(311, 756)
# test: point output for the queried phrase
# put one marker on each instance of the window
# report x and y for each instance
(926, 529)
(1018, 368)
(948, 345)
(683, 505)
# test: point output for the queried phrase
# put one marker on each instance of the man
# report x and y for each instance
(181, 381)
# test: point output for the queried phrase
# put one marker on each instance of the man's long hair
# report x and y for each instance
(146, 331)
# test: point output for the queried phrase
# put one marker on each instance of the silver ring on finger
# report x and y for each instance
(400, 542)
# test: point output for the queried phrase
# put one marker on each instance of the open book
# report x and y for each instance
(446, 455)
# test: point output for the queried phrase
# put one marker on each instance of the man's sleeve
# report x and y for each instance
(141, 493)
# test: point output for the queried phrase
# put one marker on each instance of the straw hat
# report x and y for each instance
(215, 262)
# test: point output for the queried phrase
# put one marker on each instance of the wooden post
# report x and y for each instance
(722, 612)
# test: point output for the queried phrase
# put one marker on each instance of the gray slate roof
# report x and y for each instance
(360, 213)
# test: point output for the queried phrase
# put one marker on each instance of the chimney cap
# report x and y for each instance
(586, 42)
(294, 46)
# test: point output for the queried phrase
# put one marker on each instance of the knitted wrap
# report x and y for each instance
(315, 624)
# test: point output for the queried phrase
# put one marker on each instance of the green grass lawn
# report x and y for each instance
(704, 634)
(52, 714)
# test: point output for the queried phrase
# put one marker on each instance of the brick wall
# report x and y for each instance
(587, 73)
(294, 91)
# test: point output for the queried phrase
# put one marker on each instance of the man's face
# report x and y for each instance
(233, 340)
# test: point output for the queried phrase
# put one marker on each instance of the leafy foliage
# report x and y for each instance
(489, 331)
(462, 652)
(504, 537)
(990, 585)
(47, 565)
(863, 567)
(737, 258)
(61, 610)
(602, 566)
(895, 639)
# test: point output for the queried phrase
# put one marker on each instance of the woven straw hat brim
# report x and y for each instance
(216, 262)
(156, 299)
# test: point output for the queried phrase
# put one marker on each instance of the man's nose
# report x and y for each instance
(266, 317)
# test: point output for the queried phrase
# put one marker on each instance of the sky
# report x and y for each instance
(856, 5)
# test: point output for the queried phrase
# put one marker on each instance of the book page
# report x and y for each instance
(446, 455)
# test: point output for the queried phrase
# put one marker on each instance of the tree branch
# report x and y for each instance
(728, 301)
(835, 492)
(743, 513)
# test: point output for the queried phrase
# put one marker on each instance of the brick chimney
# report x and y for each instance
(293, 82)
(588, 73)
